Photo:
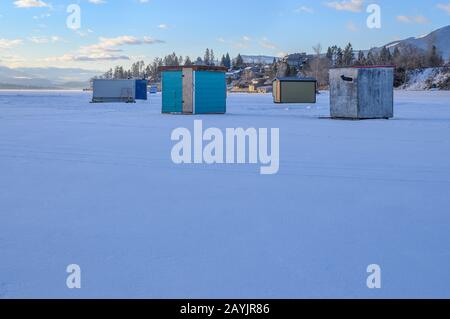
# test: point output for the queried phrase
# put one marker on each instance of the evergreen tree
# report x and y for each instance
(385, 56)
(147, 72)
(361, 59)
(228, 61)
(135, 72)
(207, 57)
(239, 62)
(109, 74)
(396, 56)
(371, 58)
(330, 54)
(434, 58)
(212, 58)
(348, 55)
(339, 57)
(188, 61)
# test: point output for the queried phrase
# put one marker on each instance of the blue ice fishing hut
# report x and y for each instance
(141, 90)
(194, 90)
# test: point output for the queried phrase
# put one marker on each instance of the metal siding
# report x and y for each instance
(376, 93)
(362, 93)
(344, 93)
(172, 92)
(141, 90)
(210, 92)
(113, 90)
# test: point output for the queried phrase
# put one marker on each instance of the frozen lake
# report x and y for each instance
(94, 185)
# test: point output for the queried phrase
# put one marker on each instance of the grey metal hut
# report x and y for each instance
(362, 92)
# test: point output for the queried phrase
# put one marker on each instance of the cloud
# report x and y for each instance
(107, 49)
(420, 19)
(7, 44)
(44, 40)
(304, 9)
(444, 6)
(403, 19)
(163, 26)
(348, 5)
(97, 1)
(30, 4)
(11, 60)
(87, 58)
(112, 44)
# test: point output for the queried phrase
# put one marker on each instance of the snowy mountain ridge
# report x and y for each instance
(45, 77)
(258, 59)
(439, 38)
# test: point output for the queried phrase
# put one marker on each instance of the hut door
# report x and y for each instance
(172, 92)
(188, 92)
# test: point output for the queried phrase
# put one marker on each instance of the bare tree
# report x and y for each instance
(316, 63)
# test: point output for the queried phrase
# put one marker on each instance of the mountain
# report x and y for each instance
(45, 78)
(258, 59)
(440, 38)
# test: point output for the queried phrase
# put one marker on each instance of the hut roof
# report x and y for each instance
(194, 67)
(295, 79)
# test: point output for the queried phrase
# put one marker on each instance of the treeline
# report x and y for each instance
(151, 71)
(404, 59)
(409, 57)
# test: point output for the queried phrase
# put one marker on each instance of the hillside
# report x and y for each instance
(45, 78)
(428, 79)
(258, 59)
(439, 38)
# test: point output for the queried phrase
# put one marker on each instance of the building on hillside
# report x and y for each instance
(265, 89)
(297, 60)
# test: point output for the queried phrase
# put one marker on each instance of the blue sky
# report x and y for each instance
(35, 32)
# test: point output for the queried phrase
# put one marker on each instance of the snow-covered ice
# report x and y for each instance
(94, 185)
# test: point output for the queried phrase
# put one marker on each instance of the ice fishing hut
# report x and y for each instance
(108, 90)
(362, 92)
(194, 89)
(294, 90)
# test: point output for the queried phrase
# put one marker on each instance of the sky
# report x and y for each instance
(44, 33)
